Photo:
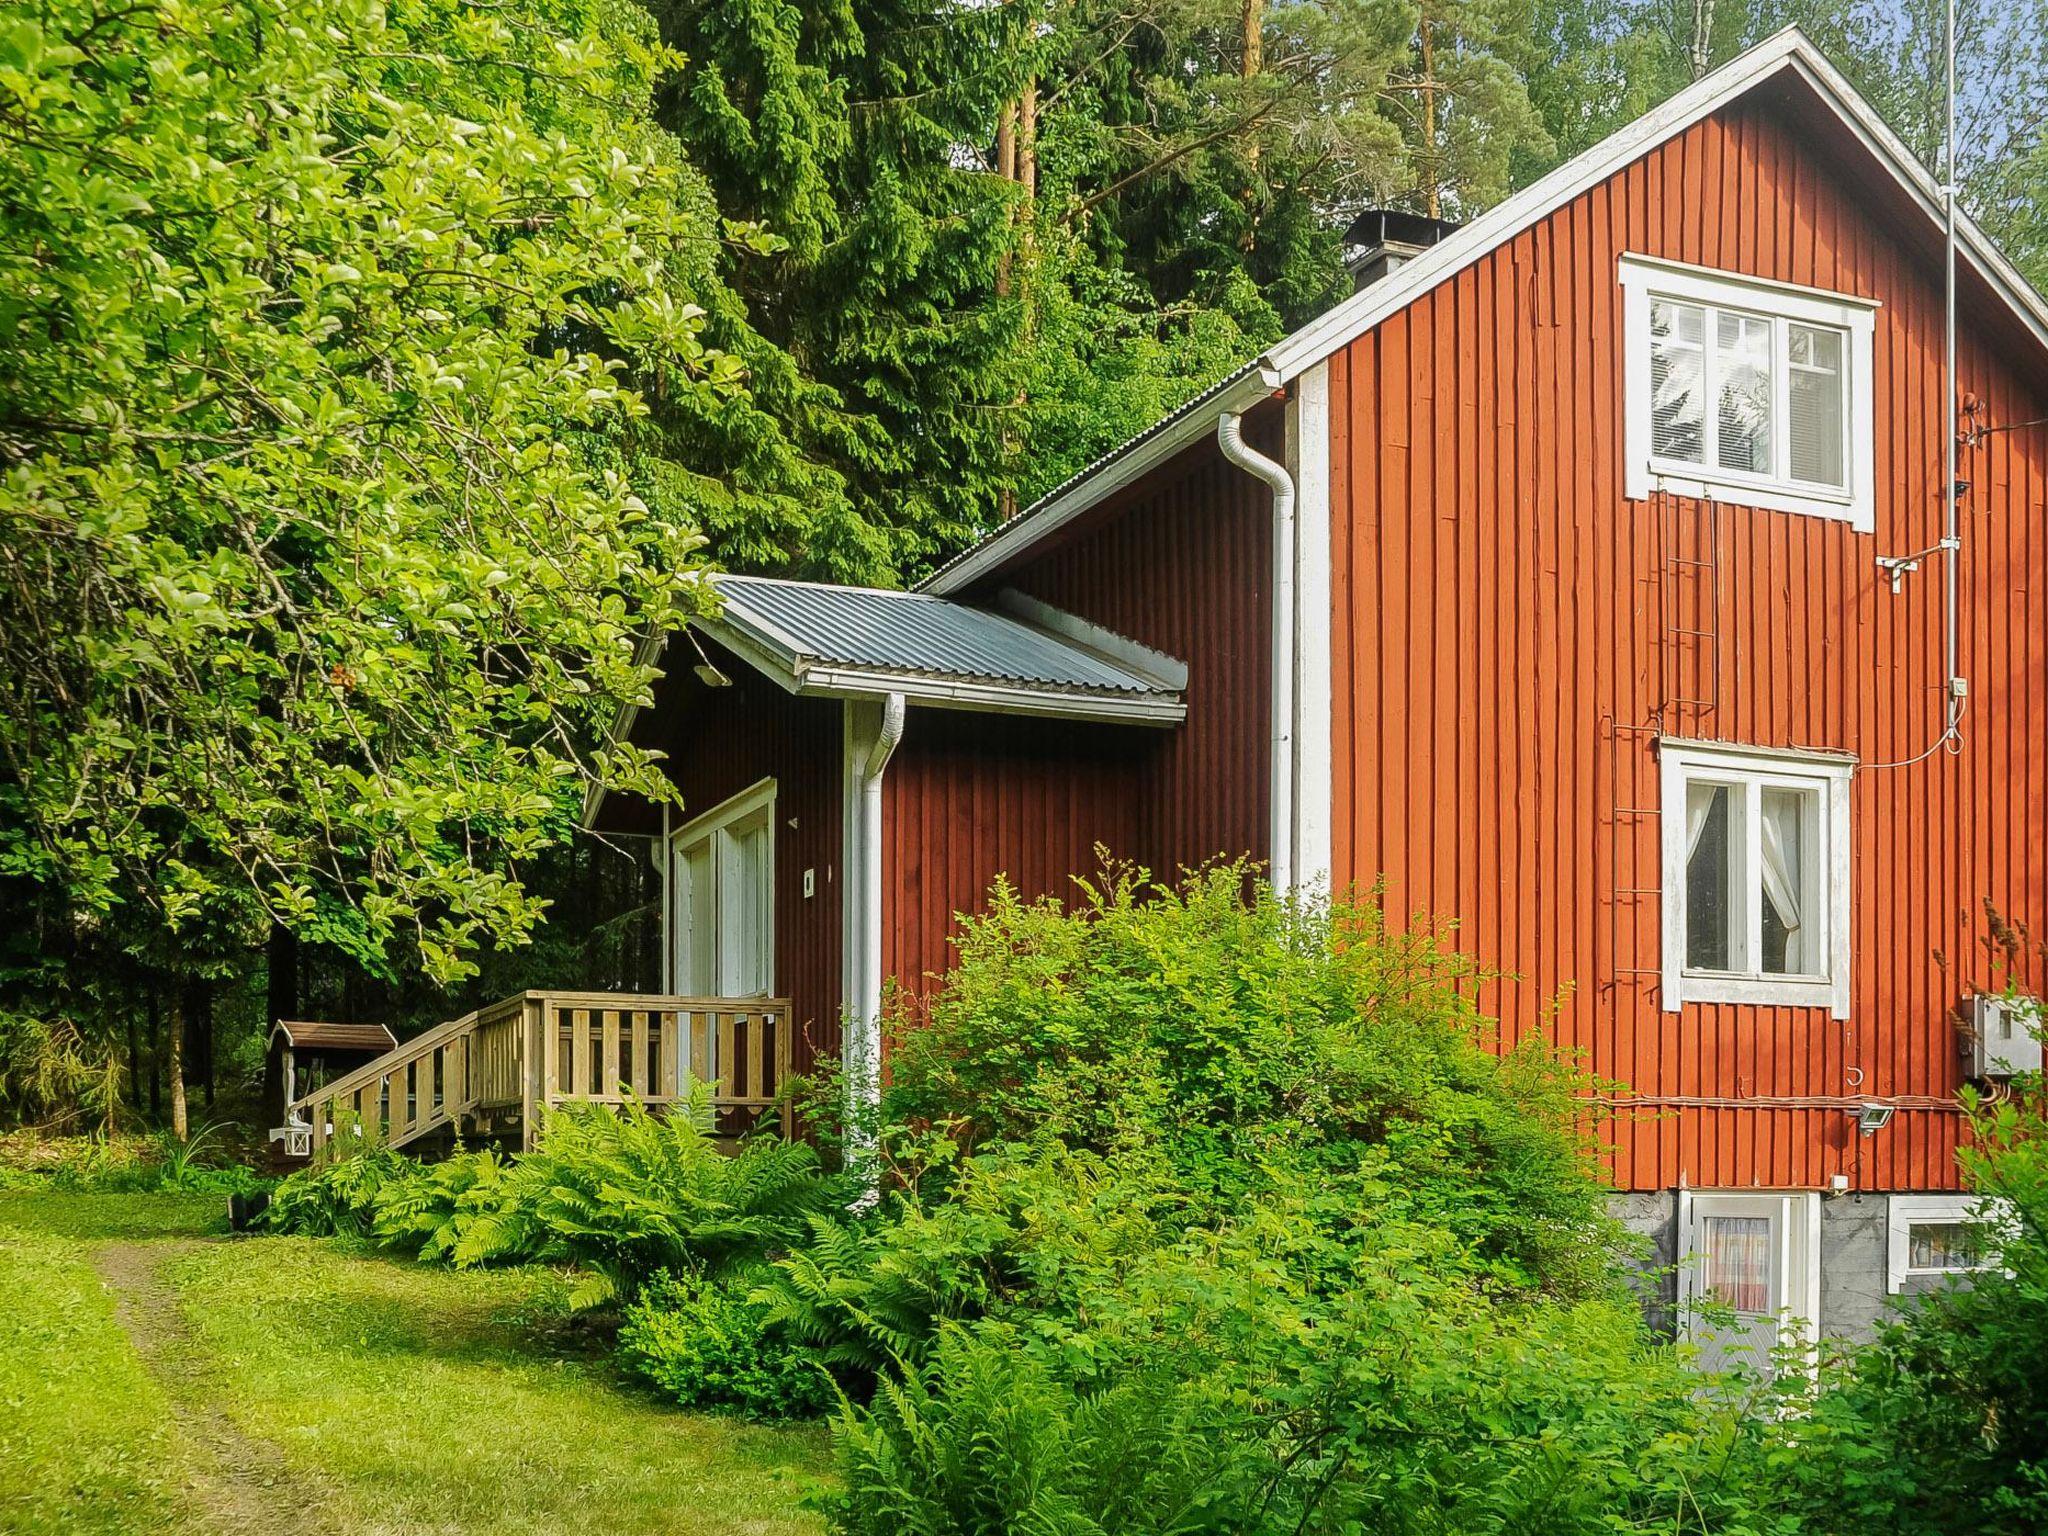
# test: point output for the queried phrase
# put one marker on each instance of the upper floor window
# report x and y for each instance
(1751, 392)
(1756, 876)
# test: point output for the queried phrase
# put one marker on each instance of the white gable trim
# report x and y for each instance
(1116, 470)
(1789, 50)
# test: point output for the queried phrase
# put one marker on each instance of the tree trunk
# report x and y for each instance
(1027, 141)
(1432, 189)
(156, 1057)
(1702, 51)
(134, 1063)
(1253, 59)
(199, 1035)
(174, 1042)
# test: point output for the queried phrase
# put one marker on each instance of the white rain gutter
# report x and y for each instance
(864, 1019)
(1280, 772)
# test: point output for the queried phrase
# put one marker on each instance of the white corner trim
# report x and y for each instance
(1831, 774)
(1644, 278)
(1308, 458)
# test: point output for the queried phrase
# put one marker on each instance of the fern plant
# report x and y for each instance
(338, 1198)
(625, 1196)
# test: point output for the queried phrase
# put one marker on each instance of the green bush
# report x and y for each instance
(620, 1197)
(1015, 1230)
(709, 1345)
(1222, 1038)
(1216, 1215)
(986, 1438)
(1941, 1427)
(338, 1198)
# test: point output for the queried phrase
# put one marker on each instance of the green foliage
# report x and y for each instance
(709, 1345)
(321, 570)
(1013, 1230)
(1249, 1045)
(625, 1196)
(985, 1438)
(620, 1197)
(1942, 1425)
(337, 1198)
(103, 1164)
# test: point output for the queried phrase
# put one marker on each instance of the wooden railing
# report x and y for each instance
(493, 1070)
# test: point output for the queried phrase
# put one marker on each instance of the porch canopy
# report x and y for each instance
(1021, 657)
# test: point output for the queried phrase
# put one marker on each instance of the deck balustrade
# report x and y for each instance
(491, 1072)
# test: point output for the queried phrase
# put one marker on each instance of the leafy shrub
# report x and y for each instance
(710, 1345)
(339, 1198)
(1224, 1037)
(626, 1196)
(1234, 1225)
(1015, 1229)
(986, 1438)
(1942, 1425)
(620, 1197)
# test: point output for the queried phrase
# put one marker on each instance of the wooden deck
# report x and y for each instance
(489, 1073)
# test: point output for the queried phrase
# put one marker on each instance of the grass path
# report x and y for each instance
(156, 1378)
(235, 1484)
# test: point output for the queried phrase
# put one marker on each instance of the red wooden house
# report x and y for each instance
(1585, 577)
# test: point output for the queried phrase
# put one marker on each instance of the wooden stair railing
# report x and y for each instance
(546, 1049)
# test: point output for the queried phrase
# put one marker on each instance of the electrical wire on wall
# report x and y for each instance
(1955, 687)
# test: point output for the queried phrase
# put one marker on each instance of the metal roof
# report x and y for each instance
(869, 629)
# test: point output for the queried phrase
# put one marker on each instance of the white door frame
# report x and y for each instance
(1795, 1219)
(757, 800)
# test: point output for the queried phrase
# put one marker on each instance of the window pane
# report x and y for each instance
(1677, 380)
(1815, 404)
(1709, 834)
(1742, 359)
(1941, 1245)
(1738, 1261)
(1791, 939)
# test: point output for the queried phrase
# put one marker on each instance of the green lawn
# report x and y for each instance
(244, 1382)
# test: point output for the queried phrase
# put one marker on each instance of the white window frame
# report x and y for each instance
(1907, 1211)
(1644, 278)
(755, 801)
(1757, 768)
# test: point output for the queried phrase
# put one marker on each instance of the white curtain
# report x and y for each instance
(1781, 846)
(1699, 802)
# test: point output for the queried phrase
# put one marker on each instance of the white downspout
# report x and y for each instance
(864, 1024)
(1280, 772)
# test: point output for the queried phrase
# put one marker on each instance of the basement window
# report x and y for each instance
(1755, 876)
(1935, 1237)
(1747, 392)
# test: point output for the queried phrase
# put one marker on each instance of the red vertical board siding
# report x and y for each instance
(720, 741)
(1501, 637)
(969, 798)
(1180, 561)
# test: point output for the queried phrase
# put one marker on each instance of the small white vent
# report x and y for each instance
(2004, 1037)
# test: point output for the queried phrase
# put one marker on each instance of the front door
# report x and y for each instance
(1750, 1257)
(722, 892)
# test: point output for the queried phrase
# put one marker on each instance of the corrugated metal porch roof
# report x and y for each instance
(871, 629)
